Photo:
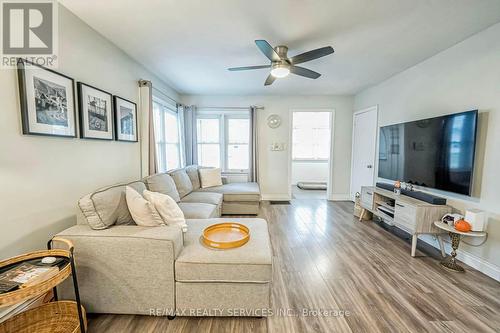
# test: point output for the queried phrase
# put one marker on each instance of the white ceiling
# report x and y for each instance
(191, 43)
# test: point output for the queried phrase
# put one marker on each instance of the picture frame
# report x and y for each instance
(47, 100)
(96, 113)
(125, 120)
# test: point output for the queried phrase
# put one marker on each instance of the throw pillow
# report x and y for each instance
(143, 212)
(210, 177)
(167, 208)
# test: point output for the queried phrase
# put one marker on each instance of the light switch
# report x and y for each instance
(277, 146)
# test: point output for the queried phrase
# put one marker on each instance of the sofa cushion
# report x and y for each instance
(204, 197)
(210, 177)
(169, 210)
(198, 210)
(143, 212)
(163, 183)
(250, 263)
(108, 206)
(236, 191)
(192, 172)
(182, 182)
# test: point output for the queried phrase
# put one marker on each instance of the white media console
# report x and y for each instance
(409, 214)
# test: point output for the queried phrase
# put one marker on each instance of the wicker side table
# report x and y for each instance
(57, 316)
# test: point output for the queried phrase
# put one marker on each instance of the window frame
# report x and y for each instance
(223, 116)
(166, 107)
(198, 143)
(226, 119)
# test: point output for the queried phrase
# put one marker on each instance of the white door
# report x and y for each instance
(364, 140)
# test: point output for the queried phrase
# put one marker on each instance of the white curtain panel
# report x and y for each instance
(182, 132)
(253, 173)
(147, 135)
(190, 136)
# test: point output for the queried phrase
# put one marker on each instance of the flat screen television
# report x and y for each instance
(435, 153)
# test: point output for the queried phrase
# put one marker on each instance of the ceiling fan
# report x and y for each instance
(281, 65)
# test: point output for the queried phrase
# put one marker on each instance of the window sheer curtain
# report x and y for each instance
(253, 172)
(148, 143)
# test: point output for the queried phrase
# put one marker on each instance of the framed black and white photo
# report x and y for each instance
(125, 120)
(47, 101)
(96, 113)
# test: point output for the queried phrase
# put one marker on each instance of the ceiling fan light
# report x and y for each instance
(280, 71)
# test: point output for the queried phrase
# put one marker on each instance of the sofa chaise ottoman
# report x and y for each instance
(223, 282)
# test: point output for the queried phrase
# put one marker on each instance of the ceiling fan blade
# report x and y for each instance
(267, 49)
(304, 72)
(311, 55)
(270, 79)
(246, 68)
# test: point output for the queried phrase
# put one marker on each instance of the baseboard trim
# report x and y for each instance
(340, 197)
(275, 197)
(485, 267)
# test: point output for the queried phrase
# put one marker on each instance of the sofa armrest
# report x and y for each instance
(124, 269)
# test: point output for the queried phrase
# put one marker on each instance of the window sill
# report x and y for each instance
(234, 173)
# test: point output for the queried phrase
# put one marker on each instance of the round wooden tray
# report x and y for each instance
(54, 317)
(226, 235)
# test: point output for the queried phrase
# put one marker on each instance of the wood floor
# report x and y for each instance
(324, 259)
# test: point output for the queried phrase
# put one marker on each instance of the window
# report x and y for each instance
(237, 143)
(311, 136)
(166, 124)
(208, 133)
(224, 140)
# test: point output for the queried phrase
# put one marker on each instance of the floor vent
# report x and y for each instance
(282, 202)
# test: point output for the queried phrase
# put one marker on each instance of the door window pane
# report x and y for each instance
(311, 135)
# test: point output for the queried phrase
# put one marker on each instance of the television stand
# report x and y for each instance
(406, 213)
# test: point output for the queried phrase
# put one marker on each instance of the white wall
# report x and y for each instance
(273, 165)
(306, 171)
(41, 178)
(464, 77)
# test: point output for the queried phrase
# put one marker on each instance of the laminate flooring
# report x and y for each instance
(332, 273)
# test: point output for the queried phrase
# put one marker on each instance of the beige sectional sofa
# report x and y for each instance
(128, 269)
(184, 186)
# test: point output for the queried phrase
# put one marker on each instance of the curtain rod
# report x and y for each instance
(147, 83)
(229, 107)
(166, 95)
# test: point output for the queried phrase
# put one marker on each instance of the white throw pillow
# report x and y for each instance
(143, 212)
(167, 208)
(210, 177)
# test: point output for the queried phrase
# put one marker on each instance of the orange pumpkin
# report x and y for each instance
(462, 225)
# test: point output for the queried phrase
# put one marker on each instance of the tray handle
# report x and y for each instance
(68, 243)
